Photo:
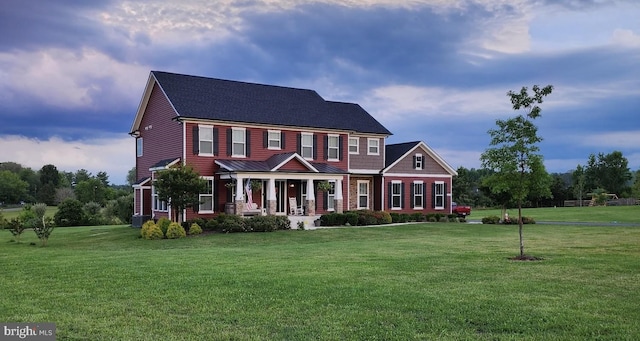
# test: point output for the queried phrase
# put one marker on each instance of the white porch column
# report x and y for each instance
(239, 204)
(337, 200)
(271, 196)
(338, 189)
(311, 198)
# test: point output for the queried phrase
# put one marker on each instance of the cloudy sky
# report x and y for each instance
(72, 72)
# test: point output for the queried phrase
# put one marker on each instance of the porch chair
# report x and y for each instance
(294, 209)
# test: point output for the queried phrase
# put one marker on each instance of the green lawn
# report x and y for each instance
(14, 212)
(421, 281)
(620, 214)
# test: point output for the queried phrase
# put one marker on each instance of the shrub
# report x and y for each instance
(494, 219)
(213, 224)
(384, 218)
(332, 219)
(163, 223)
(300, 225)
(70, 213)
(417, 216)
(16, 227)
(351, 218)
(231, 223)
(443, 219)
(92, 213)
(175, 231)
(195, 229)
(150, 230)
(43, 226)
(395, 217)
(528, 220)
(283, 223)
(261, 224)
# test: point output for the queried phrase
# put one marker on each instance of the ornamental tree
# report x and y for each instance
(180, 186)
(513, 154)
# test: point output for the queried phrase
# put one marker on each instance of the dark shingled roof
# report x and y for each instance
(225, 100)
(393, 152)
(165, 162)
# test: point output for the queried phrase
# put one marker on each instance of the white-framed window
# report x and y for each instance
(331, 196)
(363, 194)
(206, 198)
(205, 137)
(333, 147)
(418, 195)
(139, 147)
(158, 205)
(274, 139)
(418, 162)
(238, 142)
(306, 145)
(354, 145)
(396, 195)
(438, 195)
(373, 146)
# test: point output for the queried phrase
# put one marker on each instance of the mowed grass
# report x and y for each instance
(422, 281)
(11, 213)
(604, 214)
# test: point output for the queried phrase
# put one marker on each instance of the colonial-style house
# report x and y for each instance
(266, 149)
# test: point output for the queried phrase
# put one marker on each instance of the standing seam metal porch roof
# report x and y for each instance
(234, 101)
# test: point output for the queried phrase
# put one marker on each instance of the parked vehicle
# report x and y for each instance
(461, 211)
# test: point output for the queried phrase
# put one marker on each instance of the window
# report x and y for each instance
(396, 195)
(363, 194)
(438, 195)
(158, 205)
(418, 161)
(418, 195)
(238, 141)
(274, 139)
(354, 145)
(373, 147)
(306, 145)
(206, 198)
(333, 147)
(205, 134)
(139, 147)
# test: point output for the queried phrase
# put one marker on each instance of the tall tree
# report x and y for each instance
(49, 175)
(514, 157)
(131, 176)
(180, 186)
(610, 171)
(12, 188)
(103, 177)
(579, 183)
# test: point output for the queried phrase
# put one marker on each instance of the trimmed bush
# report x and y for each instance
(231, 223)
(213, 224)
(283, 223)
(150, 230)
(417, 216)
(261, 224)
(195, 229)
(494, 219)
(175, 231)
(351, 218)
(163, 223)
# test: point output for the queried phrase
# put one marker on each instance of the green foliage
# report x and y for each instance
(180, 185)
(12, 188)
(610, 172)
(150, 231)
(195, 229)
(70, 213)
(283, 223)
(175, 231)
(120, 209)
(261, 224)
(356, 218)
(231, 223)
(300, 225)
(43, 226)
(163, 223)
(417, 216)
(494, 219)
(16, 227)
(91, 189)
(92, 213)
(351, 218)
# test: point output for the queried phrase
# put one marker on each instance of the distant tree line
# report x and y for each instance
(602, 173)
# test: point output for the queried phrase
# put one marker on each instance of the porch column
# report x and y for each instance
(311, 198)
(338, 197)
(271, 196)
(239, 203)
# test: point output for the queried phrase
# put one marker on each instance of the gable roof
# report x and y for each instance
(233, 101)
(396, 152)
(274, 163)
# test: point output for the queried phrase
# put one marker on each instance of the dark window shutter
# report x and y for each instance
(340, 142)
(215, 141)
(433, 195)
(402, 192)
(325, 200)
(326, 147)
(282, 139)
(414, 161)
(229, 141)
(444, 201)
(299, 141)
(247, 137)
(265, 139)
(214, 189)
(389, 195)
(196, 140)
(413, 193)
(315, 146)
(424, 195)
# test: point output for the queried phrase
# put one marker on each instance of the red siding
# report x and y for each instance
(428, 206)
(294, 166)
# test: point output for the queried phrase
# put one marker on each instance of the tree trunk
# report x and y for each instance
(520, 227)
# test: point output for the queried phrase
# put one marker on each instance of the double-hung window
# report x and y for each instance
(238, 142)
(306, 145)
(373, 147)
(206, 198)
(333, 147)
(158, 205)
(354, 145)
(396, 195)
(274, 139)
(205, 136)
(139, 147)
(438, 195)
(363, 194)
(418, 195)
